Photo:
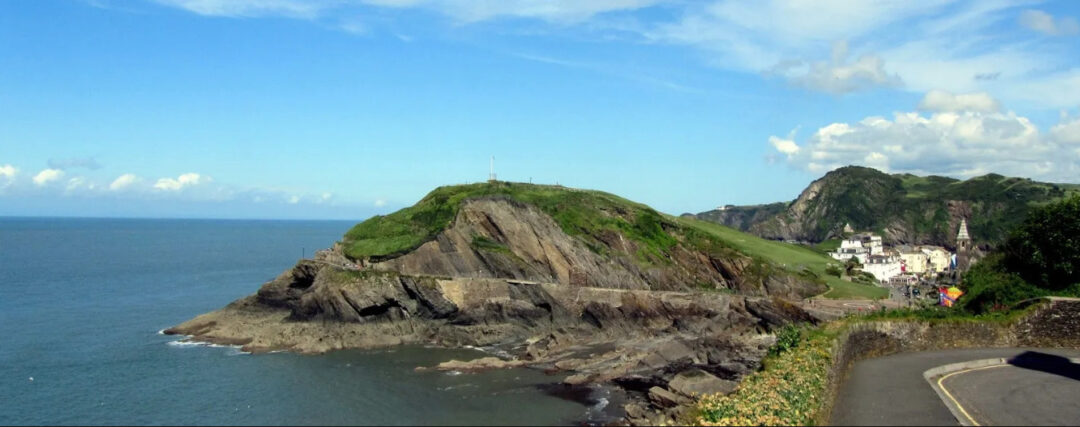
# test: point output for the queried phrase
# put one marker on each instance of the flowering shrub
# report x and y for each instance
(788, 391)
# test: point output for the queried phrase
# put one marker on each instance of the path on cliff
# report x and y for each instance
(891, 390)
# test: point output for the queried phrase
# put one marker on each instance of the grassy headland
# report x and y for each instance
(587, 214)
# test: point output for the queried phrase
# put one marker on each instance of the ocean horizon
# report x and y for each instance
(83, 302)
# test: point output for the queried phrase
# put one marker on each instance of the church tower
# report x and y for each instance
(963, 247)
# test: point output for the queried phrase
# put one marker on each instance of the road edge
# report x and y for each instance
(932, 376)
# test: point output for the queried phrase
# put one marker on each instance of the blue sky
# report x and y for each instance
(348, 108)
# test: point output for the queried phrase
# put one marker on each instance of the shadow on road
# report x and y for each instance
(1048, 363)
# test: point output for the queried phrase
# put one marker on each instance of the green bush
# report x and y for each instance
(1045, 249)
(988, 286)
(787, 338)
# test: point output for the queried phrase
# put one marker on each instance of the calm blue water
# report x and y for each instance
(82, 301)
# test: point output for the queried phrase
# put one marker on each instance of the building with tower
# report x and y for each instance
(963, 248)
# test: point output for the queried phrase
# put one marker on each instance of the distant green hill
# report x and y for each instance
(904, 208)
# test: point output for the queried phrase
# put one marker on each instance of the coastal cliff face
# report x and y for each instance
(625, 296)
(904, 208)
(502, 238)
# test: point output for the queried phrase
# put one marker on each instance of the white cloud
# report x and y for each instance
(942, 101)
(380, 203)
(237, 8)
(1045, 23)
(838, 75)
(123, 181)
(955, 45)
(567, 11)
(947, 141)
(183, 181)
(294, 200)
(1067, 132)
(960, 46)
(7, 176)
(80, 183)
(8, 172)
(47, 175)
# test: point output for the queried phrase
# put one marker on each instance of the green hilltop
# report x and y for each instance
(581, 213)
(588, 215)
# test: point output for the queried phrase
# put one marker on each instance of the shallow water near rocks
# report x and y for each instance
(82, 301)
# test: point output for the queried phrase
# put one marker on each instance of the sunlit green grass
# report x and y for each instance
(789, 256)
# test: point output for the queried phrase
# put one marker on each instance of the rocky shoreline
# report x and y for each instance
(660, 347)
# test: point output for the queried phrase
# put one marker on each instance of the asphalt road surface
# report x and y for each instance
(1021, 396)
(891, 390)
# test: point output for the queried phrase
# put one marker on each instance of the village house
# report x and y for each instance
(859, 246)
(851, 248)
(914, 260)
(884, 267)
(938, 257)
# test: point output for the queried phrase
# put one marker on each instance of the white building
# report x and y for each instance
(851, 248)
(883, 267)
(860, 246)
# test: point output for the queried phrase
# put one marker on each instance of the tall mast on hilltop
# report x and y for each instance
(491, 174)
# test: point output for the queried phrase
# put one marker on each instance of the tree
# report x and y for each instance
(1045, 249)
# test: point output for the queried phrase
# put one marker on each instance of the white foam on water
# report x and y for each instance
(601, 404)
(235, 350)
(453, 373)
(185, 343)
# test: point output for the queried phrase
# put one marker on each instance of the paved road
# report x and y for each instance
(891, 390)
(1022, 397)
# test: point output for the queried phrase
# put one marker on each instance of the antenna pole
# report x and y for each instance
(491, 173)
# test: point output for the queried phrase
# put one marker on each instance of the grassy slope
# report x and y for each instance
(582, 213)
(792, 257)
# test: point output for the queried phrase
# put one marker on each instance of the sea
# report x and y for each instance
(83, 301)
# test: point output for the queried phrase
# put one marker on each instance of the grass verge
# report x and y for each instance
(789, 390)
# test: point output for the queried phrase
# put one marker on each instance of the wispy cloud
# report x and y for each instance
(833, 46)
(609, 70)
(464, 11)
(1045, 23)
(74, 163)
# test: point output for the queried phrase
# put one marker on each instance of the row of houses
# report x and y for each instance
(887, 263)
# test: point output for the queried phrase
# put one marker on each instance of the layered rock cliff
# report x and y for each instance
(625, 296)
